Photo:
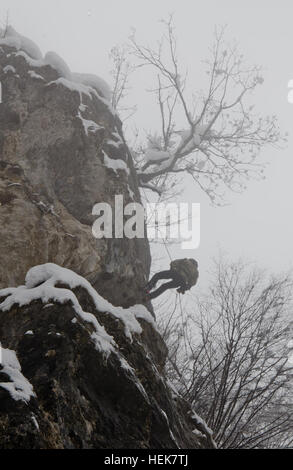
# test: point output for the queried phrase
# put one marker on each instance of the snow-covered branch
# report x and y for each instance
(226, 134)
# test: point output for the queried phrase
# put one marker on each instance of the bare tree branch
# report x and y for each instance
(220, 145)
(236, 370)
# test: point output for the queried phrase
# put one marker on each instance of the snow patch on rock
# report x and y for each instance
(93, 81)
(115, 164)
(88, 125)
(19, 387)
(9, 68)
(28, 59)
(113, 143)
(33, 74)
(72, 86)
(55, 61)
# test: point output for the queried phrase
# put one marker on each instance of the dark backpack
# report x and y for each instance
(188, 270)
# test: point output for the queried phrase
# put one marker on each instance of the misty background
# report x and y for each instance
(257, 224)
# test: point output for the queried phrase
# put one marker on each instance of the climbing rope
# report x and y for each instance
(183, 324)
(178, 295)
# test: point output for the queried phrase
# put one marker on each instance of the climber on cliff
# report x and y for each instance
(183, 274)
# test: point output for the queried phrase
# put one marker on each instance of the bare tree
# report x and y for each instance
(216, 136)
(121, 71)
(229, 359)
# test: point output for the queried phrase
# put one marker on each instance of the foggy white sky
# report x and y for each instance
(258, 223)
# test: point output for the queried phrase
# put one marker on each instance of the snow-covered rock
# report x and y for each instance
(14, 39)
(49, 275)
(34, 57)
(18, 386)
(93, 81)
(55, 61)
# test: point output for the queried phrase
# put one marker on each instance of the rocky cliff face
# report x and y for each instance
(61, 152)
(81, 366)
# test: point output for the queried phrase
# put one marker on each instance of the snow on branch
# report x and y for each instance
(222, 138)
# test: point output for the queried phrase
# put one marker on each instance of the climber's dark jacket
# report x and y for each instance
(184, 275)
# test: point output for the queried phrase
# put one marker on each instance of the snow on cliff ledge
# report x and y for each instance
(40, 283)
(12, 38)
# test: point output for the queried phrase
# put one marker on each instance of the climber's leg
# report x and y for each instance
(157, 277)
(163, 288)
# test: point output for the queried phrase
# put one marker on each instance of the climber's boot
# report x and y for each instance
(150, 285)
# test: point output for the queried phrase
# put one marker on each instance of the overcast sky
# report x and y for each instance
(258, 223)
